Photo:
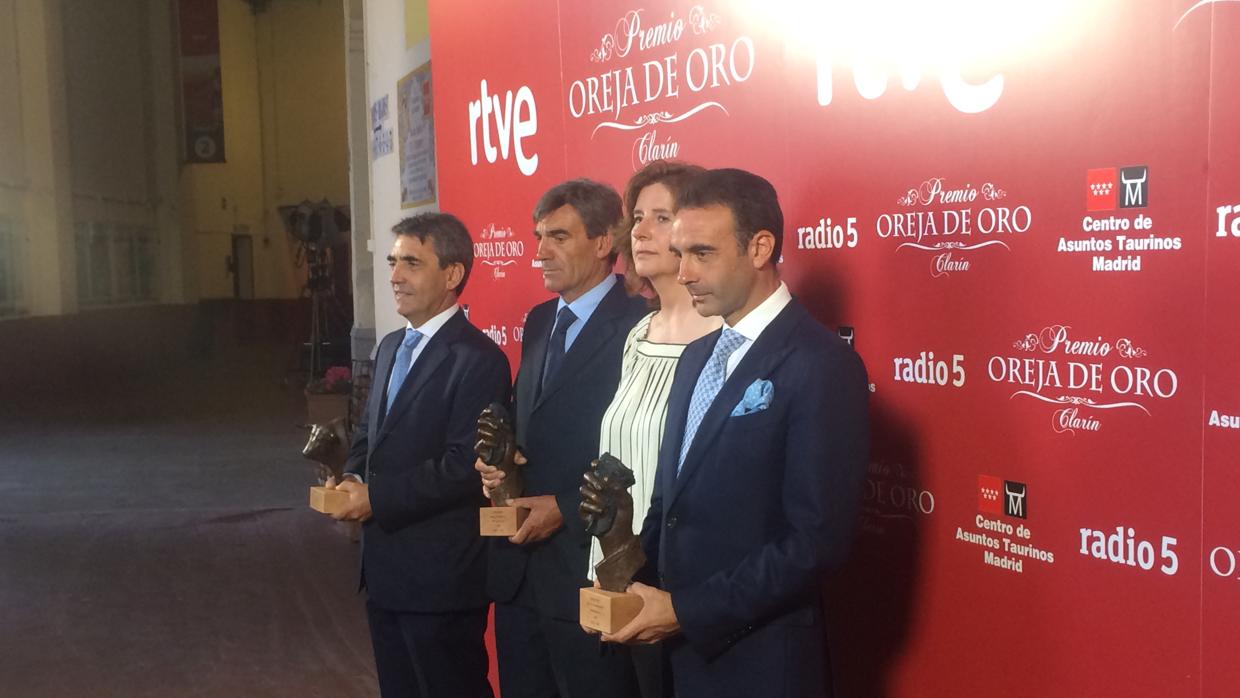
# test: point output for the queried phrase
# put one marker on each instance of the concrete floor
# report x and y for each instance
(155, 541)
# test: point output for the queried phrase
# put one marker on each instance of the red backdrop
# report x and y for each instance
(1026, 217)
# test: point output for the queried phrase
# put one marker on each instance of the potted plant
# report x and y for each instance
(328, 397)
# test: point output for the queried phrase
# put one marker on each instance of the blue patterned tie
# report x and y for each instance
(556, 350)
(401, 364)
(708, 385)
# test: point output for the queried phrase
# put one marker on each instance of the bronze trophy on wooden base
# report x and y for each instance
(328, 445)
(607, 507)
(496, 446)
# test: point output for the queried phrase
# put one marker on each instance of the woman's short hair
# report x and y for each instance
(671, 174)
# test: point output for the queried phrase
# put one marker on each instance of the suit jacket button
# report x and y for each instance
(671, 522)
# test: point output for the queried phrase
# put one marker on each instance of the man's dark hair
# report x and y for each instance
(597, 204)
(751, 199)
(448, 237)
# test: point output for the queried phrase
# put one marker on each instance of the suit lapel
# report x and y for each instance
(600, 328)
(533, 359)
(763, 357)
(693, 360)
(437, 350)
(378, 393)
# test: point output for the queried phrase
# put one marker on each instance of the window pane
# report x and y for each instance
(147, 268)
(100, 253)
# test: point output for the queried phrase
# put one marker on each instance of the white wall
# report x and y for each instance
(388, 60)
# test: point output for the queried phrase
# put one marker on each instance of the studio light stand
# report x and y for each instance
(316, 228)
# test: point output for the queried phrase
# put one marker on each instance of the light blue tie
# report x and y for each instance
(708, 385)
(401, 364)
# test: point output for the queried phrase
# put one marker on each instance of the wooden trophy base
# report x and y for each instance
(328, 501)
(608, 611)
(501, 521)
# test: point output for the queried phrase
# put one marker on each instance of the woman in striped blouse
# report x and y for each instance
(632, 427)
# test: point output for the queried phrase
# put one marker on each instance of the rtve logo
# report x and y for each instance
(872, 83)
(931, 44)
(511, 127)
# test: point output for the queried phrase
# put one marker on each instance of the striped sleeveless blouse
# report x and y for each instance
(632, 427)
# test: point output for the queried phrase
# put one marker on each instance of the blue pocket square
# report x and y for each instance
(758, 397)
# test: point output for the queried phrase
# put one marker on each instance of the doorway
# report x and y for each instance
(243, 267)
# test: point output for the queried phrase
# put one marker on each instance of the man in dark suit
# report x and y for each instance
(570, 366)
(410, 477)
(761, 464)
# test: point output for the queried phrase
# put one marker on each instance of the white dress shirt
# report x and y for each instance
(752, 325)
(583, 308)
(428, 330)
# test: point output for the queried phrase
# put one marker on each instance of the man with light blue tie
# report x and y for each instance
(570, 366)
(761, 465)
(410, 475)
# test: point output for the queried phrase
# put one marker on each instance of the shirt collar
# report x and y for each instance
(588, 302)
(430, 327)
(757, 319)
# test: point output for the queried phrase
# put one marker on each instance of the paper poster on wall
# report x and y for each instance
(382, 141)
(415, 126)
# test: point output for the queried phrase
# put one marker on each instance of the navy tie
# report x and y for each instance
(709, 382)
(556, 350)
(401, 364)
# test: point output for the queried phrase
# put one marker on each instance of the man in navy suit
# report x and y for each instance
(570, 366)
(761, 465)
(410, 477)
